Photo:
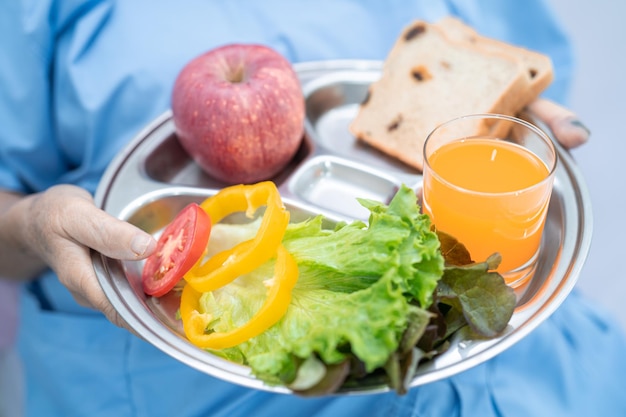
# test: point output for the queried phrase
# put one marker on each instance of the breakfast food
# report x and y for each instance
(238, 110)
(436, 72)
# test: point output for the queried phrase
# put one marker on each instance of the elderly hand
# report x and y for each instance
(57, 228)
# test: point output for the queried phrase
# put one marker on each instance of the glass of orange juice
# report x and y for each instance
(487, 182)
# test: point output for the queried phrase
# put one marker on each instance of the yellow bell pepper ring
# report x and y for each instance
(273, 309)
(245, 257)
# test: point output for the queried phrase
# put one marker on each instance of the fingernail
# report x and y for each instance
(571, 132)
(142, 244)
(578, 124)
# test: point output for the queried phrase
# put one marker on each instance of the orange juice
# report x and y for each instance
(491, 195)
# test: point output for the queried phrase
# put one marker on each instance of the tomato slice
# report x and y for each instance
(179, 247)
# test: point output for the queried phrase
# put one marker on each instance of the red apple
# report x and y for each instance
(238, 111)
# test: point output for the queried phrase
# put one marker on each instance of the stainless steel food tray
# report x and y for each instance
(153, 178)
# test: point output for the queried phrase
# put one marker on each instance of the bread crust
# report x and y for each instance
(538, 67)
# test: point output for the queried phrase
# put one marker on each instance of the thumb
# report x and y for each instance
(108, 235)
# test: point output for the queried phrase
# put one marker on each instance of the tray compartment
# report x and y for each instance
(332, 102)
(334, 184)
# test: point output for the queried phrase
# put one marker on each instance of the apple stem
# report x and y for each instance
(237, 75)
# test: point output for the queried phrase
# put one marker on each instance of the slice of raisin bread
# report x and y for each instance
(428, 79)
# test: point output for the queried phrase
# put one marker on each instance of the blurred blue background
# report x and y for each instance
(599, 34)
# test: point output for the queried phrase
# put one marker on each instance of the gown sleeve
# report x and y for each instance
(29, 157)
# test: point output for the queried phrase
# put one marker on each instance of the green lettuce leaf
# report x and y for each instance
(483, 299)
(359, 285)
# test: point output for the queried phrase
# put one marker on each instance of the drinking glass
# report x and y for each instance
(487, 182)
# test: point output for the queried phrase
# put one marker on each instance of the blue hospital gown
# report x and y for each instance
(80, 78)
